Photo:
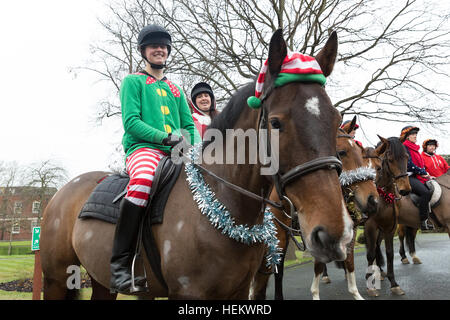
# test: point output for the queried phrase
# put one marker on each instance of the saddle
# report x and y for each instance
(436, 190)
(103, 204)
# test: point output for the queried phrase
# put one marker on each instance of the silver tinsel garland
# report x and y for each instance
(221, 219)
(350, 177)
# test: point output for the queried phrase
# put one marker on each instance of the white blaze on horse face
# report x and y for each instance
(351, 143)
(312, 105)
(76, 180)
(166, 250)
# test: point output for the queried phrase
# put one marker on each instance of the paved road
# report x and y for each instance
(427, 281)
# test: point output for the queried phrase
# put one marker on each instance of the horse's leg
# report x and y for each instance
(411, 240)
(379, 256)
(349, 268)
(370, 235)
(401, 237)
(318, 270)
(99, 292)
(325, 276)
(389, 242)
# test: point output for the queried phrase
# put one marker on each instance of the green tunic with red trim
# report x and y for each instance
(151, 109)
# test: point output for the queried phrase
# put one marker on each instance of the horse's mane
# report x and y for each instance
(232, 111)
(230, 114)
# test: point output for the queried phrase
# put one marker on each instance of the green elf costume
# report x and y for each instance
(155, 116)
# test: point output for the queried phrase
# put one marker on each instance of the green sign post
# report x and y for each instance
(35, 238)
(37, 276)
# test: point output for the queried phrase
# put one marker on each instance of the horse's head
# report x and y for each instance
(307, 124)
(392, 167)
(357, 178)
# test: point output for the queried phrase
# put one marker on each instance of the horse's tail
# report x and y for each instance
(340, 264)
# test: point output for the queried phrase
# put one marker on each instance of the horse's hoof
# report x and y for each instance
(373, 292)
(397, 291)
(326, 280)
(416, 260)
(405, 261)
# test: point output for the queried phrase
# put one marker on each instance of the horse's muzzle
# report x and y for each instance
(326, 248)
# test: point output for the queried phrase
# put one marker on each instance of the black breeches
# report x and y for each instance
(425, 195)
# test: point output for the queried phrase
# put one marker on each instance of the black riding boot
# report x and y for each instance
(124, 247)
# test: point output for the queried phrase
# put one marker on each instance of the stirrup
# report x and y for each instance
(134, 288)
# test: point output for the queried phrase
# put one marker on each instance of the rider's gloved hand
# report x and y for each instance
(172, 140)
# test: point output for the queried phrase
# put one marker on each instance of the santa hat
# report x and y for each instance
(296, 67)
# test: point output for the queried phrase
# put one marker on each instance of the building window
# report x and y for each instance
(36, 207)
(15, 227)
(17, 207)
(34, 223)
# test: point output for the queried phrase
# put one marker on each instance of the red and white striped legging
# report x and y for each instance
(141, 166)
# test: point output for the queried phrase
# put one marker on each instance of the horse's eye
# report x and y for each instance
(342, 153)
(276, 124)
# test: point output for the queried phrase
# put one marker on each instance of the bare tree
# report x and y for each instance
(393, 54)
(44, 178)
(9, 173)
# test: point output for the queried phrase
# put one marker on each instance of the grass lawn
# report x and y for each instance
(16, 243)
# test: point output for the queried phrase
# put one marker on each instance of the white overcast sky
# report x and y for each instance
(47, 113)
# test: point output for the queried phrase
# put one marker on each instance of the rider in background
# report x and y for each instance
(417, 172)
(345, 126)
(203, 105)
(434, 164)
(154, 110)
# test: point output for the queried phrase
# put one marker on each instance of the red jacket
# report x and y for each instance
(416, 165)
(436, 165)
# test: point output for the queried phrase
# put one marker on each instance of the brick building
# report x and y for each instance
(21, 209)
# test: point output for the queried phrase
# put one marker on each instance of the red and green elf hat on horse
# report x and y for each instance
(296, 67)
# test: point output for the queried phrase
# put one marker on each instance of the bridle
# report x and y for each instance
(282, 180)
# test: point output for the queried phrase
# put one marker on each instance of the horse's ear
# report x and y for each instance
(327, 56)
(352, 125)
(277, 52)
(383, 147)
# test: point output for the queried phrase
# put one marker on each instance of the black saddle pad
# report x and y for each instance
(104, 201)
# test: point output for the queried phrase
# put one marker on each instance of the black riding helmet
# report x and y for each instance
(154, 34)
(202, 87)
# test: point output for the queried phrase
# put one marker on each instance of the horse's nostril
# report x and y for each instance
(322, 238)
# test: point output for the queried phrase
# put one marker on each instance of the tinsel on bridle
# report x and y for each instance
(350, 177)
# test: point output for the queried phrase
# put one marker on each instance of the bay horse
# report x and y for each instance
(359, 190)
(197, 260)
(409, 221)
(392, 181)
